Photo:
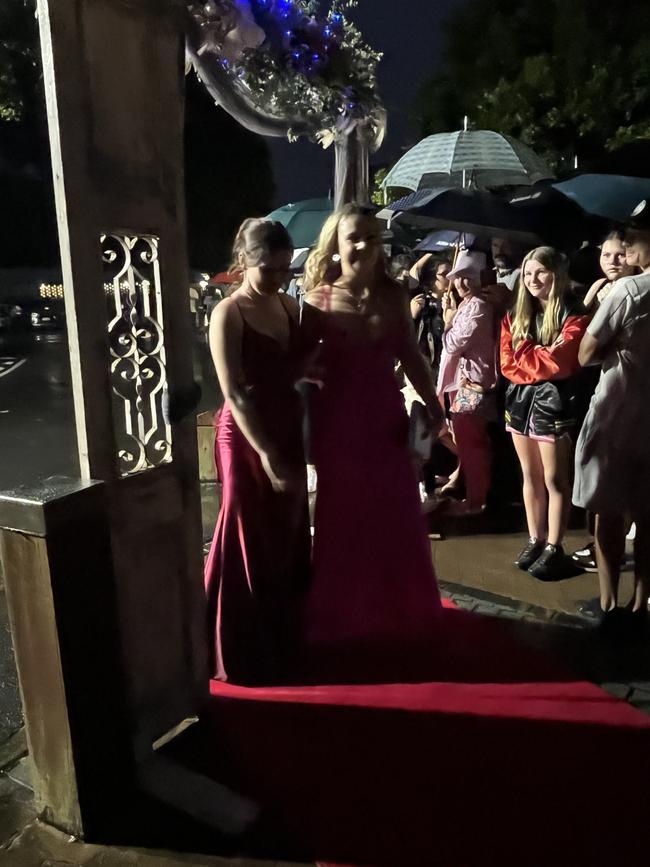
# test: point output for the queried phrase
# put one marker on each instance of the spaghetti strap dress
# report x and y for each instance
(259, 562)
(373, 584)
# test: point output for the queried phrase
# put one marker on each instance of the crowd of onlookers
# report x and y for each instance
(539, 359)
(550, 348)
(505, 358)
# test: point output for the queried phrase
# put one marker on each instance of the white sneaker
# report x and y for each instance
(312, 479)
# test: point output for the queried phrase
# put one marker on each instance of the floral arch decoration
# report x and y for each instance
(293, 68)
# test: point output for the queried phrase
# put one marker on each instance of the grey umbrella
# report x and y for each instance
(477, 158)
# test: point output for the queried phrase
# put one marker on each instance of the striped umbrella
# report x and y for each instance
(478, 158)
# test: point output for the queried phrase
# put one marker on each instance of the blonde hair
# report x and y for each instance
(321, 266)
(527, 307)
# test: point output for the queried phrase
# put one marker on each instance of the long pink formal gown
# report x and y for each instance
(258, 567)
(373, 583)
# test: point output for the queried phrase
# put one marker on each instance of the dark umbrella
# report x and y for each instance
(471, 211)
(557, 219)
(613, 197)
(443, 240)
(543, 216)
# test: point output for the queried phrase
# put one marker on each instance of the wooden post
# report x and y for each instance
(56, 552)
(114, 84)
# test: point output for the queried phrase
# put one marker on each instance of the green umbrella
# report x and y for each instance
(303, 220)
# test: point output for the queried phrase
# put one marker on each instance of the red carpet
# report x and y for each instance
(503, 760)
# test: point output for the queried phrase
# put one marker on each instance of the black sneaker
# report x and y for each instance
(530, 554)
(590, 609)
(586, 558)
(553, 565)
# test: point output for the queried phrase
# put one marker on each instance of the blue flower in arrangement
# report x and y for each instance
(291, 72)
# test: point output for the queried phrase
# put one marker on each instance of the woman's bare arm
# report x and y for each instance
(419, 265)
(592, 295)
(588, 350)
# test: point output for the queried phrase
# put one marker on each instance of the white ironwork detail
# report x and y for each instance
(137, 346)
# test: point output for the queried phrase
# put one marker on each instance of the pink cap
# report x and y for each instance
(472, 261)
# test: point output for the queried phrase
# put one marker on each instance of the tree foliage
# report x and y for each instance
(19, 70)
(378, 194)
(569, 79)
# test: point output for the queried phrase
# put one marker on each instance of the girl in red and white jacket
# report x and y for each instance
(539, 355)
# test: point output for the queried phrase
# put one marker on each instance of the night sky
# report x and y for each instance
(409, 34)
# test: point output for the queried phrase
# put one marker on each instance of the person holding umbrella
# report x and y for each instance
(468, 371)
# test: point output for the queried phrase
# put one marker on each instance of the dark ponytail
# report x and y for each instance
(255, 240)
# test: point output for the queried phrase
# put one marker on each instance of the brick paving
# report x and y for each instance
(622, 669)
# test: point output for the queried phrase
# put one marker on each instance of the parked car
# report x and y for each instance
(46, 316)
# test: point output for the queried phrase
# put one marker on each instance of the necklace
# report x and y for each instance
(355, 300)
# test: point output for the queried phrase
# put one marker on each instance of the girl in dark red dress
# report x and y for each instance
(258, 565)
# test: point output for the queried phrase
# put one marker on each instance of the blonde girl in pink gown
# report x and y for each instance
(373, 583)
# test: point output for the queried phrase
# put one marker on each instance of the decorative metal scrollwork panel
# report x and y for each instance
(137, 347)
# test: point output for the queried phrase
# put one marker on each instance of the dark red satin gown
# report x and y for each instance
(258, 567)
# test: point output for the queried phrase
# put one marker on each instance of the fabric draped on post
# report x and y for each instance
(352, 173)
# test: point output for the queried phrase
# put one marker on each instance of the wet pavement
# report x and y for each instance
(37, 440)
(37, 428)
(37, 433)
